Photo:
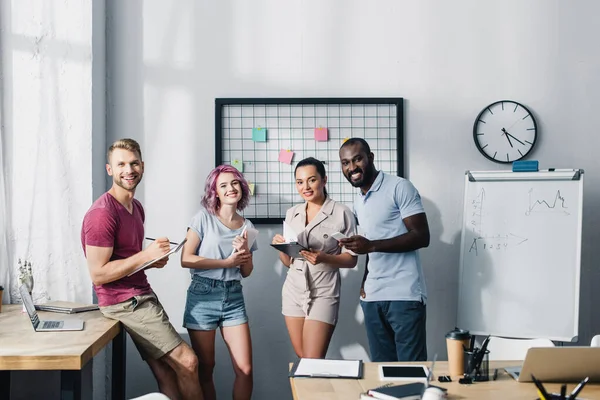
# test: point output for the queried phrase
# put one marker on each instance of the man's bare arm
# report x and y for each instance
(103, 271)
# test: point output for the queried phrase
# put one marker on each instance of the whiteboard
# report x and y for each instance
(289, 125)
(521, 254)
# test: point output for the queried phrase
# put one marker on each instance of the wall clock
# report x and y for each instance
(505, 131)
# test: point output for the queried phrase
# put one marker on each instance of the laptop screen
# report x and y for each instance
(28, 302)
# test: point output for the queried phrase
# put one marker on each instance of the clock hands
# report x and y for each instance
(511, 136)
(508, 134)
(507, 138)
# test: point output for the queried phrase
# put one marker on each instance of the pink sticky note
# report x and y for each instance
(321, 134)
(285, 156)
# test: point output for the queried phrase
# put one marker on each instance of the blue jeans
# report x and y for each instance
(396, 330)
(212, 303)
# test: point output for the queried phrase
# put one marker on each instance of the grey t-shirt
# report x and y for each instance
(216, 243)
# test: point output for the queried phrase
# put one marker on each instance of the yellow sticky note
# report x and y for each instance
(238, 164)
(251, 187)
(345, 140)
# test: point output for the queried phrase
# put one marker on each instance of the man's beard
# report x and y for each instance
(367, 175)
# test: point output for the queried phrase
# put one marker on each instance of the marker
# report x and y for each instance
(152, 239)
(578, 388)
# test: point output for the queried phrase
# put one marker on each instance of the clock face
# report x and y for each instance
(505, 131)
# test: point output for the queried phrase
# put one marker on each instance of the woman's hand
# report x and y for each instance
(277, 239)
(239, 257)
(313, 257)
(241, 243)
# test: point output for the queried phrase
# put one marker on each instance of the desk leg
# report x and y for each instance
(4, 384)
(70, 385)
(119, 365)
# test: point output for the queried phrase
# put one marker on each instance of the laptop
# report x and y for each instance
(558, 364)
(46, 326)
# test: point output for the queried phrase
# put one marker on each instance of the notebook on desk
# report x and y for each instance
(65, 307)
(558, 364)
(325, 368)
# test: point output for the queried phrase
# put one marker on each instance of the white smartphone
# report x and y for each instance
(403, 372)
(338, 236)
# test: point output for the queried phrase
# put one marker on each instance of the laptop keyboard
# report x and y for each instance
(51, 325)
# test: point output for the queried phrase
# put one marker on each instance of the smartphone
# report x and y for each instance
(338, 236)
(403, 373)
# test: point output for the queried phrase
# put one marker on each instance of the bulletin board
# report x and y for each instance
(264, 138)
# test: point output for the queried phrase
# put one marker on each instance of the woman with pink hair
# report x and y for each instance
(218, 256)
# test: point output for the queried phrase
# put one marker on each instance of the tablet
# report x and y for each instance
(399, 372)
(291, 249)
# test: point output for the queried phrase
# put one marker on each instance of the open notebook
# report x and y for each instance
(174, 249)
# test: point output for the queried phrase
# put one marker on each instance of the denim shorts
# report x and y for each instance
(212, 303)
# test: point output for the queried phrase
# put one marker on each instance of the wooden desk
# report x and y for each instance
(22, 348)
(503, 388)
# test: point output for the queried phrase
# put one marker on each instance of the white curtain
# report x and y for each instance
(5, 275)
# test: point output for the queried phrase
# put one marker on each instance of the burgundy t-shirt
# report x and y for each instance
(108, 224)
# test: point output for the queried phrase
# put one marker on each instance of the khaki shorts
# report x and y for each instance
(313, 295)
(145, 319)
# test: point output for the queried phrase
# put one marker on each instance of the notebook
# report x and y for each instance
(324, 368)
(559, 364)
(65, 307)
(46, 326)
(409, 391)
(173, 250)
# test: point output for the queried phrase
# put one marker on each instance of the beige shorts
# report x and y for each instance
(312, 295)
(145, 319)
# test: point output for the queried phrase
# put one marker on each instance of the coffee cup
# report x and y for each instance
(457, 340)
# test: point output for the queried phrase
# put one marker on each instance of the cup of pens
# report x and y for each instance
(477, 364)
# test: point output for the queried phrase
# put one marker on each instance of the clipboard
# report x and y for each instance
(291, 249)
(326, 368)
(167, 254)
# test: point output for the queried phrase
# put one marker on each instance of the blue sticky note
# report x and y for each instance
(259, 134)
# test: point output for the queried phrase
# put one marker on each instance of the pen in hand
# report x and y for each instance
(152, 239)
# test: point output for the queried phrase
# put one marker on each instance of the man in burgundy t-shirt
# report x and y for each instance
(112, 235)
(109, 224)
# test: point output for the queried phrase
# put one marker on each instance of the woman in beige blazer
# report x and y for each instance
(311, 292)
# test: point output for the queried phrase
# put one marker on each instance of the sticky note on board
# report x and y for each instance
(251, 187)
(321, 134)
(344, 140)
(285, 156)
(259, 134)
(238, 164)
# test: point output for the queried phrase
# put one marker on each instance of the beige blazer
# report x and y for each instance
(333, 217)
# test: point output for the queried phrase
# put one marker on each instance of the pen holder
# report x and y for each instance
(477, 365)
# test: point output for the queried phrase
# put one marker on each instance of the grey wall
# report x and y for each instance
(167, 61)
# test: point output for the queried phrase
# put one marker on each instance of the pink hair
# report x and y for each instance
(210, 200)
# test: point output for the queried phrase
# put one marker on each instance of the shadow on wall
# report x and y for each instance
(440, 262)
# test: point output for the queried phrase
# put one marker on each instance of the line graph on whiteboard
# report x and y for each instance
(485, 241)
(557, 205)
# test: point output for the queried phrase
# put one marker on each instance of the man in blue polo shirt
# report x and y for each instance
(393, 292)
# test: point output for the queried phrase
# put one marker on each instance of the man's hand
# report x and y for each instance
(239, 258)
(358, 244)
(362, 292)
(159, 263)
(313, 257)
(159, 247)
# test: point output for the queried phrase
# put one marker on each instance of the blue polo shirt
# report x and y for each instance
(392, 276)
